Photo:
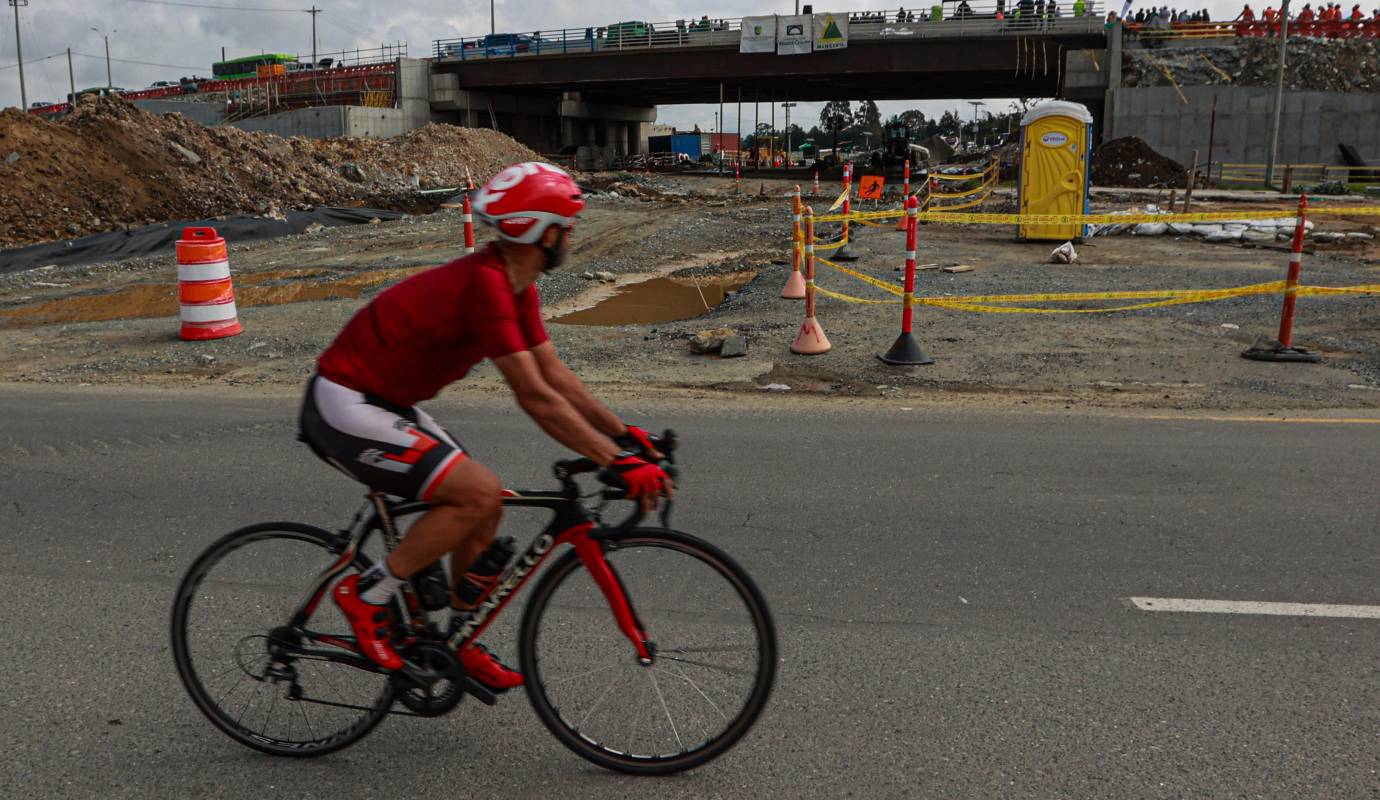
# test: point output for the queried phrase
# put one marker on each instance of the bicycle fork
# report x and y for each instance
(592, 556)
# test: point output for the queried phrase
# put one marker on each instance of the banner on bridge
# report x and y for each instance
(793, 34)
(759, 35)
(831, 31)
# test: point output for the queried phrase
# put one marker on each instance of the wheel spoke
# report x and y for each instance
(662, 698)
(730, 670)
(679, 674)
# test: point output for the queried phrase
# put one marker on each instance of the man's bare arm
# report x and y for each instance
(567, 384)
(552, 411)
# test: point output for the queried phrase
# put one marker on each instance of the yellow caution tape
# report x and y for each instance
(880, 284)
(1102, 219)
(838, 202)
(848, 298)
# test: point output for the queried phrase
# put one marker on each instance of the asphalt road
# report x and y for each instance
(950, 589)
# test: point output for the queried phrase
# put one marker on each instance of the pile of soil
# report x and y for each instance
(109, 165)
(1130, 162)
(1325, 65)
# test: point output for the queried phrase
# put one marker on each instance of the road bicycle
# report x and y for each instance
(677, 679)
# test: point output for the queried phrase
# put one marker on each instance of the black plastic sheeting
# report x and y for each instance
(162, 236)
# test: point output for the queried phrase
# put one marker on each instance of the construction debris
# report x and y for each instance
(109, 165)
(1325, 65)
(1129, 161)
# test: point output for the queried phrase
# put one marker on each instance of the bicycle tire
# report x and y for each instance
(764, 629)
(192, 680)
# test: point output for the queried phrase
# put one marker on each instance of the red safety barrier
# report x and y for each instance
(469, 224)
(905, 351)
(811, 340)
(1283, 348)
(795, 284)
(205, 292)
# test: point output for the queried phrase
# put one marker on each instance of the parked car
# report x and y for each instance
(503, 44)
(162, 84)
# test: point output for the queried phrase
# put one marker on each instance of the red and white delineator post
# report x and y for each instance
(469, 224)
(901, 224)
(737, 179)
(811, 340)
(795, 284)
(905, 351)
(845, 253)
(1282, 349)
(815, 193)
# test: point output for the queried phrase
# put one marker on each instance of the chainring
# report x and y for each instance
(429, 682)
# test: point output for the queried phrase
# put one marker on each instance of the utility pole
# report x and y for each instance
(1279, 97)
(109, 82)
(71, 78)
(491, 18)
(19, 53)
(788, 105)
(974, 104)
(313, 11)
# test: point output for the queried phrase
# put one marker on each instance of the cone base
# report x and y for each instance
(795, 286)
(811, 340)
(900, 224)
(202, 331)
(905, 352)
(1275, 351)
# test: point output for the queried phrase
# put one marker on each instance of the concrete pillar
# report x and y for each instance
(1113, 82)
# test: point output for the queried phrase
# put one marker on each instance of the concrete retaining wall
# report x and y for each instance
(204, 113)
(327, 122)
(1312, 124)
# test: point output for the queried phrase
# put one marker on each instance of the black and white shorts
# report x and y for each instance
(389, 448)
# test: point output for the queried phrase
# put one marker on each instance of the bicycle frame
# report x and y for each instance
(571, 524)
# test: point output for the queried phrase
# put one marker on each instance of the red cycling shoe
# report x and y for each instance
(485, 667)
(370, 624)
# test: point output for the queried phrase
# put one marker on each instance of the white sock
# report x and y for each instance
(380, 583)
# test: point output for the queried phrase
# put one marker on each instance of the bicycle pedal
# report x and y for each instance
(478, 691)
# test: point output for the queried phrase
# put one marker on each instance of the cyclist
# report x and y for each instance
(426, 332)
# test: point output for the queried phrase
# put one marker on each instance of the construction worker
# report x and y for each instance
(1271, 21)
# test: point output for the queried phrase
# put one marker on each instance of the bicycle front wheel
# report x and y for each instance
(247, 669)
(714, 664)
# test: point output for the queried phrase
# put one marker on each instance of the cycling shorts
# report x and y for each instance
(394, 449)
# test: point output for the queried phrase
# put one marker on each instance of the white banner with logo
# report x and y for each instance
(793, 34)
(831, 31)
(759, 35)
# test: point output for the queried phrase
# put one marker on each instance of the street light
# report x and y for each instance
(788, 107)
(19, 53)
(109, 83)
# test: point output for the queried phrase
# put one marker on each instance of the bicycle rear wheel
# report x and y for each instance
(714, 664)
(238, 657)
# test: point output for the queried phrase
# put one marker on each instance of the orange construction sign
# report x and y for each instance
(870, 187)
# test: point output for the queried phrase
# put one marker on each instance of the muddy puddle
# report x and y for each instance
(160, 300)
(659, 300)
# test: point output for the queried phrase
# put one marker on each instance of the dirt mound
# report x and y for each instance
(1130, 162)
(109, 165)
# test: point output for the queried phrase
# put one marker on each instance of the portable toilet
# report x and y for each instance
(1056, 144)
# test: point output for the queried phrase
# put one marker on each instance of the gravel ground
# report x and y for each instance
(1176, 357)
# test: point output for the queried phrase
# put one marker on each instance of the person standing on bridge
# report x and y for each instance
(360, 413)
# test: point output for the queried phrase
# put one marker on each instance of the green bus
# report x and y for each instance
(248, 66)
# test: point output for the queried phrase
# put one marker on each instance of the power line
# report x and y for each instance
(131, 61)
(34, 60)
(222, 8)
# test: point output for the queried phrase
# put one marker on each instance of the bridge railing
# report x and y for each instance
(982, 19)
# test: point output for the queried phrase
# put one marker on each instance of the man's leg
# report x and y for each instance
(464, 519)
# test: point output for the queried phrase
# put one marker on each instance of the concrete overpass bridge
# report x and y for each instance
(601, 86)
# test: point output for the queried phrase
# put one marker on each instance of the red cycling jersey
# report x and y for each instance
(431, 329)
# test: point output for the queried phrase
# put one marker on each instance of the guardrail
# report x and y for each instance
(977, 20)
(1291, 175)
(1334, 29)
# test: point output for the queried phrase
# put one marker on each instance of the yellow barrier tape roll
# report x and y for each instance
(1325, 290)
(830, 245)
(1104, 219)
(1135, 294)
(1178, 299)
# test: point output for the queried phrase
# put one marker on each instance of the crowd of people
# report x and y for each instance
(1328, 21)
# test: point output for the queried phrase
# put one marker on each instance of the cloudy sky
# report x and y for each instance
(181, 37)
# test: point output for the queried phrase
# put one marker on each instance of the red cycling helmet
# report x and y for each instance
(523, 200)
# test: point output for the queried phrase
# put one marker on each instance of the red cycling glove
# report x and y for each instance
(635, 476)
(637, 439)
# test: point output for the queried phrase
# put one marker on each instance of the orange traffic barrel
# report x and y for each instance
(205, 293)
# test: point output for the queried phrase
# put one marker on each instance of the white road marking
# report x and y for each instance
(1253, 607)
